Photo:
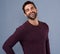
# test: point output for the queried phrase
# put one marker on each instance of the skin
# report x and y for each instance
(31, 13)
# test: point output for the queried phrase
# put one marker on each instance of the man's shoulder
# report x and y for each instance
(22, 27)
(45, 25)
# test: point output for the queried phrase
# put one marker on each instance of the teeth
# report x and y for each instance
(32, 14)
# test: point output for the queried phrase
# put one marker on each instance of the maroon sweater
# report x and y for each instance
(34, 39)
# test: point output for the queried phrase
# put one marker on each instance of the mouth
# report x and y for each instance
(32, 14)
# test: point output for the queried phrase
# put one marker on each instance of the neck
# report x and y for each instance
(34, 22)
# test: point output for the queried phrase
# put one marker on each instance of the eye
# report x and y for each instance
(26, 10)
(32, 7)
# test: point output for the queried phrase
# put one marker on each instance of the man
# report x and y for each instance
(33, 34)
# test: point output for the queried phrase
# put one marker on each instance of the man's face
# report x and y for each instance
(30, 11)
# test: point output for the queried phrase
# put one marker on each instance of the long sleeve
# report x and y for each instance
(47, 46)
(11, 41)
(47, 41)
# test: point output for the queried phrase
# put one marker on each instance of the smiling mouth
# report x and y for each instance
(32, 14)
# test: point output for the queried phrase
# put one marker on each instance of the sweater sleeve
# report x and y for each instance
(47, 41)
(47, 47)
(11, 41)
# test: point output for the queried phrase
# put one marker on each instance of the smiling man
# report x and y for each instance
(33, 34)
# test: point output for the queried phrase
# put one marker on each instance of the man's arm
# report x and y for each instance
(11, 41)
(47, 41)
(47, 46)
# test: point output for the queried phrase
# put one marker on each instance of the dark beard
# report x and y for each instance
(33, 17)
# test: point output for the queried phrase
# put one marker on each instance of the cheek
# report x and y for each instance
(26, 14)
(35, 10)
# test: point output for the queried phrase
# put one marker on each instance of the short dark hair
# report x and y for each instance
(27, 2)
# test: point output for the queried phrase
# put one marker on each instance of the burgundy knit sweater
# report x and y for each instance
(34, 39)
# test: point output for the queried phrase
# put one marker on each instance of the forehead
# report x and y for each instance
(29, 6)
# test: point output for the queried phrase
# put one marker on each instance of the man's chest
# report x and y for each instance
(35, 35)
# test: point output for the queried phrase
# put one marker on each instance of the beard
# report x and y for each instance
(32, 15)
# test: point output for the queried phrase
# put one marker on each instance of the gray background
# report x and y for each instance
(12, 16)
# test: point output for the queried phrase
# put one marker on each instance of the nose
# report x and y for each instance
(30, 10)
